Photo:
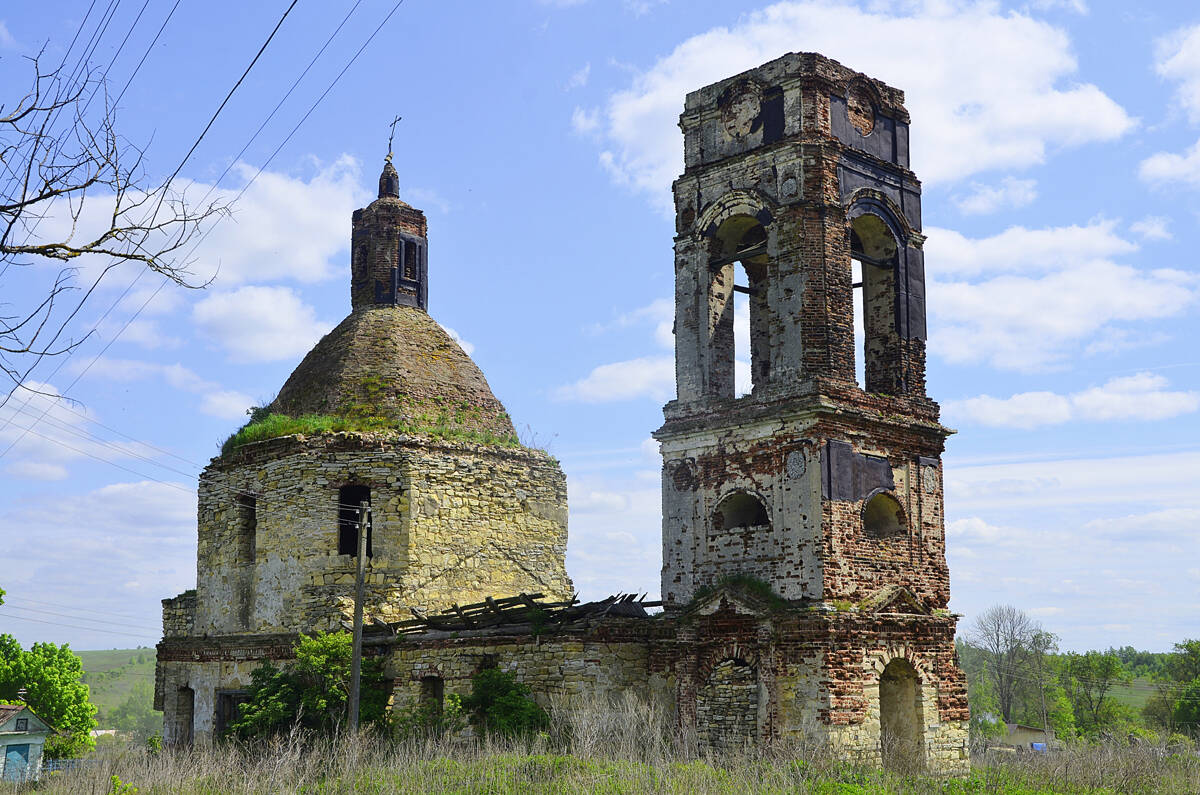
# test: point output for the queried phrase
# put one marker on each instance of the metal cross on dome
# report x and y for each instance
(391, 136)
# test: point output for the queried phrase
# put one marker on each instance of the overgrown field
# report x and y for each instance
(113, 675)
(614, 748)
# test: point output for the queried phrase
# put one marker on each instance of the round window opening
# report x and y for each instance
(883, 516)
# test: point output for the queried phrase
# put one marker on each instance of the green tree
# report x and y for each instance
(136, 713)
(1187, 709)
(51, 676)
(313, 690)
(1088, 680)
(499, 704)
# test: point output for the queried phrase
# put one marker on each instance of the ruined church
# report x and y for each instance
(804, 581)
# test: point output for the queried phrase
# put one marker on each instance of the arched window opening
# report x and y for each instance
(901, 739)
(349, 499)
(740, 510)
(883, 516)
(873, 261)
(739, 325)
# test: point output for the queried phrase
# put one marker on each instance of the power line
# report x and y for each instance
(74, 626)
(78, 617)
(225, 101)
(9, 598)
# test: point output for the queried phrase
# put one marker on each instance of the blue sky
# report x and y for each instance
(1058, 142)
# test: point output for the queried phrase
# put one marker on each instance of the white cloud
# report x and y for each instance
(660, 312)
(37, 470)
(467, 347)
(1019, 249)
(1139, 397)
(585, 121)
(579, 78)
(6, 39)
(1152, 227)
(963, 69)
(283, 228)
(1177, 58)
(1164, 168)
(1043, 294)
(1163, 478)
(89, 547)
(215, 400)
(1077, 6)
(46, 433)
(259, 324)
(648, 376)
(1170, 524)
(1010, 193)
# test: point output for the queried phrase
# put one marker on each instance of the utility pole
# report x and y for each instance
(364, 523)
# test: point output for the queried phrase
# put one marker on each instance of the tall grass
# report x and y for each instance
(620, 747)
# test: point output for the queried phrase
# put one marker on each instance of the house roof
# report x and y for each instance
(10, 711)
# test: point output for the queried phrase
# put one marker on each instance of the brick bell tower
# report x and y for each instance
(797, 193)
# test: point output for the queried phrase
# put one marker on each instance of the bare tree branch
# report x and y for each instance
(75, 203)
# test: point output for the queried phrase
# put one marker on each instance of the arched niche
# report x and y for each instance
(883, 516)
(901, 729)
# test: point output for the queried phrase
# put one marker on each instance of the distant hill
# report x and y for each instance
(121, 684)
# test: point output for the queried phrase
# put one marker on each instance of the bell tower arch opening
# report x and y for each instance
(874, 256)
(739, 311)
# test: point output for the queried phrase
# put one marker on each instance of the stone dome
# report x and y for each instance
(394, 363)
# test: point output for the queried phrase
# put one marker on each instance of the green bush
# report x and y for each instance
(312, 691)
(499, 704)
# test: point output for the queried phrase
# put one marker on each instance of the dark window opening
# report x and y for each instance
(349, 499)
(22, 724)
(247, 507)
(740, 510)
(411, 258)
(433, 693)
(883, 516)
(229, 708)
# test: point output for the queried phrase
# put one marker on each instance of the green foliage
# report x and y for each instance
(313, 690)
(119, 787)
(1088, 680)
(358, 420)
(499, 704)
(136, 713)
(428, 719)
(1187, 709)
(52, 676)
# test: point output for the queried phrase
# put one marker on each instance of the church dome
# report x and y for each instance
(389, 365)
(394, 366)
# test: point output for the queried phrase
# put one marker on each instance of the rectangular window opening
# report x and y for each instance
(247, 527)
(349, 499)
(860, 329)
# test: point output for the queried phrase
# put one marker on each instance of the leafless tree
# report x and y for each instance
(75, 203)
(1009, 637)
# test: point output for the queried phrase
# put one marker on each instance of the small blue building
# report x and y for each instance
(22, 736)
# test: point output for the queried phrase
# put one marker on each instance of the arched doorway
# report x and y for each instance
(727, 708)
(901, 735)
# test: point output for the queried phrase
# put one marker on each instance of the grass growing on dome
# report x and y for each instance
(272, 426)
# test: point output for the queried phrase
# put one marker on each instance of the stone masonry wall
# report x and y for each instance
(451, 523)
